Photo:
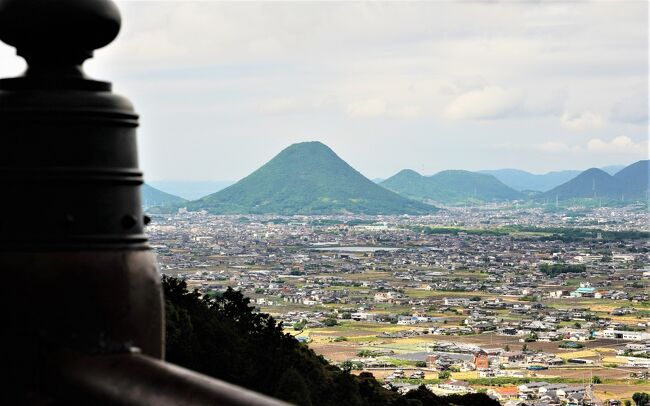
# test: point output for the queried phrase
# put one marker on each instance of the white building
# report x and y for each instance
(623, 335)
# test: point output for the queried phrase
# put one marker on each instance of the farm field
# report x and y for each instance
(343, 342)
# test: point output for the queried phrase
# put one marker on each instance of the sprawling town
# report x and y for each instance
(534, 306)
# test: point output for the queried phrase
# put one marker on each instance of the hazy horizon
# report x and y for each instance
(373, 178)
(223, 87)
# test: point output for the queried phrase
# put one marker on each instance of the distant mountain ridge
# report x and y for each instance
(190, 189)
(451, 187)
(630, 183)
(634, 180)
(522, 180)
(155, 197)
(308, 178)
(612, 169)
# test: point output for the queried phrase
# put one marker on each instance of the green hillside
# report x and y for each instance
(592, 183)
(411, 184)
(634, 181)
(155, 197)
(628, 185)
(308, 178)
(451, 187)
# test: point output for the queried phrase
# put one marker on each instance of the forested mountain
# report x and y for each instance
(629, 184)
(634, 180)
(308, 178)
(451, 187)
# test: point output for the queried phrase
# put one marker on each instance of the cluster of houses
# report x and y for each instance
(403, 271)
(552, 394)
(529, 394)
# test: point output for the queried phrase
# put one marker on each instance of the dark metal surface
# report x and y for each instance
(81, 290)
(78, 272)
(56, 36)
(137, 380)
(81, 310)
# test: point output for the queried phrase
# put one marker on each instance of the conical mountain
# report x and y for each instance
(308, 178)
(592, 183)
(156, 197)
(451, 187)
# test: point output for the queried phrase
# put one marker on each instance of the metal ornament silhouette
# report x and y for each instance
(81, 310)
(79, 273)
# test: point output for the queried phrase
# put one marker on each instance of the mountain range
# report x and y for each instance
(515, 178)
(308, 178)
(522, 180)
(630, 183)
(155, 197)
(451, 187)
(190, 189)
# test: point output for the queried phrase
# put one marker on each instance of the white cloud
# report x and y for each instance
(223, 73)
(556, 147)
(407, 112)
(367, 108)
(283, 105)
(618, 145)
(279, 105)
(621, 145)
(487, 103)
(544, 102)
(587, 120)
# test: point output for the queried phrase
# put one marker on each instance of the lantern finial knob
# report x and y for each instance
(56, 36)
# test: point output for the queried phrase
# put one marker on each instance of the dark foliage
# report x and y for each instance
(579, 234)
(641, 398)
(225, 338)
(423, 396)
(557, 269)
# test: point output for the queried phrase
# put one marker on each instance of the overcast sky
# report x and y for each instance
(223, 87)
